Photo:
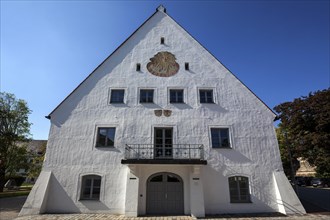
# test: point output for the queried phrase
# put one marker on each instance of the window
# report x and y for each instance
(105, 137)
(162, 40)
(239, 189)
(91, 187)
(176, 96)
(146, 96)
(206, 96)
(220, 137)
(117, 96)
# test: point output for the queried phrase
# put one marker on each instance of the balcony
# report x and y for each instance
(164, 154)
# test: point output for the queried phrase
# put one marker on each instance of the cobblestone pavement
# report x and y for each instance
(323, 216)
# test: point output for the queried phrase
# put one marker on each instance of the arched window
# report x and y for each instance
(90, 187)
(239, 189)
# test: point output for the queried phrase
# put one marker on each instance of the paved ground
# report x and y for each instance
(10, 207)
(120, 217)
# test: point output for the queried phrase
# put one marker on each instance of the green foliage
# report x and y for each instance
(14, 130)
(306, 122)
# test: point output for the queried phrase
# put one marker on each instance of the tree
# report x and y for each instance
(306, 122)
(14, 130)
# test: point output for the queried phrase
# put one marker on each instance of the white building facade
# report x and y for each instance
(161, 127)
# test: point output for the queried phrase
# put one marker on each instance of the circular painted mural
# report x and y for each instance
(163, 64)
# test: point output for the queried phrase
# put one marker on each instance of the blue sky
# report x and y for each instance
(279, 49)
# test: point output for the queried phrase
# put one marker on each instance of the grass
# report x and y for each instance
(22, 191)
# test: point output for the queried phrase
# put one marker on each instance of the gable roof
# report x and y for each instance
(160, 9)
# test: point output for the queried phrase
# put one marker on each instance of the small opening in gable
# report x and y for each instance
(186, 66)
(162, 40)
(138, 67)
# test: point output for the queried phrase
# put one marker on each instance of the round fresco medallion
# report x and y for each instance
(163, 64)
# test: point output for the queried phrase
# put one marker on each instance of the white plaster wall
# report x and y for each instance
(71, 150)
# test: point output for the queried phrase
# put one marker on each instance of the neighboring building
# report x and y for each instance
(161, 127)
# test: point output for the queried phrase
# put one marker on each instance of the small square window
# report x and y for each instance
(176, 96)
(220, 138)
(105, 137)
(117, 96)
(146, 96)
(206, 96)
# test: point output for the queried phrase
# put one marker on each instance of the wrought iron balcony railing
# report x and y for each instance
(164, 151)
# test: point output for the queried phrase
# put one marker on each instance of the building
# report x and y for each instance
(161, 127)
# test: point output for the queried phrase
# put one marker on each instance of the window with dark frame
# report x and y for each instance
(117, 96)
(146, 96)
(220, 138)
(176, 96)
(90, 187)
(206, 96)
(105, 137)
(239, 189)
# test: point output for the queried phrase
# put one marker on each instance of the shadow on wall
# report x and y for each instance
(58, 200)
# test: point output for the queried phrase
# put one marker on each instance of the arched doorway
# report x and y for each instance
(165, 194)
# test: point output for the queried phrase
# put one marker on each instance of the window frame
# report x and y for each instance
(176, 89)
(147, 89)
(206, 89)
(110, 96)
(91, 177)
(239, 189)
(98, 128)
(229, 130)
